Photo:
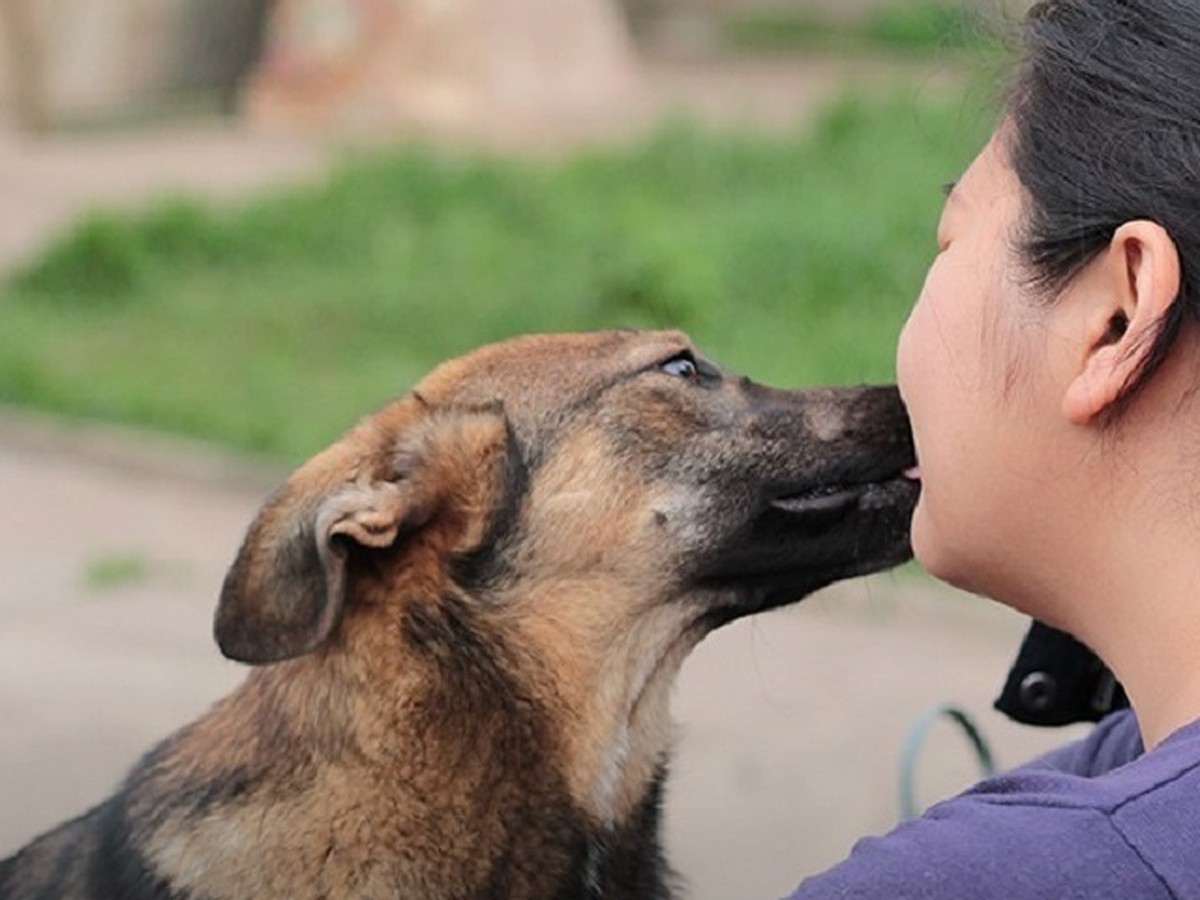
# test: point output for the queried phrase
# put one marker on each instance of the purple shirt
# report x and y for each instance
(1098, 819)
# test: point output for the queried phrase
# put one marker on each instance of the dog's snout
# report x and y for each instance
(882, 418)
(827, 421)
(874, 415)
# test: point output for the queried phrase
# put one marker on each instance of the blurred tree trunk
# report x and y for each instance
(643, 16)
(26, 52)
(220, 43)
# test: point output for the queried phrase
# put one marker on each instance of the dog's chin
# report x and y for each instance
(803, 542)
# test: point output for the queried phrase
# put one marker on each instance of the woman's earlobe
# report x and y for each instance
(1141, 279)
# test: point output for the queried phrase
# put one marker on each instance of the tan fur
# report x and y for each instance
(467, 615)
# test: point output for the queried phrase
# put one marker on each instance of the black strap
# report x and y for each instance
(1056, 680)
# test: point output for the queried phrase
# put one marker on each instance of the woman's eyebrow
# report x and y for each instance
(948, 188)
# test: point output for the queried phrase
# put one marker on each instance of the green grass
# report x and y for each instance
(113, 571)
(905, 26)
(272, 326)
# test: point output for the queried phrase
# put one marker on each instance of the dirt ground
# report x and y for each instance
(113, 545)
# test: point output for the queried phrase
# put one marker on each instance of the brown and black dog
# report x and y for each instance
(465, 617)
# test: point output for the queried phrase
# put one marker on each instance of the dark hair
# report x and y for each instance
(1105, 128)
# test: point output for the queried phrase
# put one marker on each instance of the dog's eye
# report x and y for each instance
(683, 366)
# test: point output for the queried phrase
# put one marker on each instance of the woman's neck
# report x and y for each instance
(1134, 597)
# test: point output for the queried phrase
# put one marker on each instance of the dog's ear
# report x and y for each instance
(285, 593)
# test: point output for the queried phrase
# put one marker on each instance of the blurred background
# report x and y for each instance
(230, 227)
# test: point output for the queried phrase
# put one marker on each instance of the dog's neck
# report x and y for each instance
(445, 754)
(612, 678)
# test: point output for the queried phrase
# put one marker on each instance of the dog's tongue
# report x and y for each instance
(913, 474)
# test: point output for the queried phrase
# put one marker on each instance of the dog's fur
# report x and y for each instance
(465, 617)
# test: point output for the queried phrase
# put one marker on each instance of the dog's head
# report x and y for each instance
(536, 536)
(618, 466)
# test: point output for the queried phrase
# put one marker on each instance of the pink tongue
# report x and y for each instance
(914, 473)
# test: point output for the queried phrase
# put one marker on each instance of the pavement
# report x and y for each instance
(113, 545)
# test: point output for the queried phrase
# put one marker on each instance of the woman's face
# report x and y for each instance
(968, 368)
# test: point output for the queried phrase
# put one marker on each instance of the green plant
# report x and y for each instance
(911, 26)
(274, 325)
(114, 570)
(927, 24)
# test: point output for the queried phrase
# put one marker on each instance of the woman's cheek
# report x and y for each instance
(905, 349)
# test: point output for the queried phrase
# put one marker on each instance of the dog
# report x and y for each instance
(465, 616)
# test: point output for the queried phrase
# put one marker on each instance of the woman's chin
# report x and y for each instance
(937, 556)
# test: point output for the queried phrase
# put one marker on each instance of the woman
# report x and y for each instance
(1051, 367)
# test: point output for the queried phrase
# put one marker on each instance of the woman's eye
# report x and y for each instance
(683, 366)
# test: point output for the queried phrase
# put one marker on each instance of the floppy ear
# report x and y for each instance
(286, 591)
(284, 594)
(1138, 280)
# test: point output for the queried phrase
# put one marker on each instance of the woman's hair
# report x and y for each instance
(1105, 128)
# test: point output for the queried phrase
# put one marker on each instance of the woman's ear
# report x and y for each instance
(1135, 282)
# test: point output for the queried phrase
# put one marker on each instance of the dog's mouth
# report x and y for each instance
(828, 501)
(855, 524)
(827, 498)
(802, 540)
